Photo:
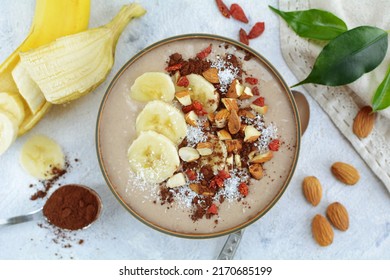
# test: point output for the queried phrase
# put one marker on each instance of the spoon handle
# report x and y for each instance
(35, 215)
(229, 249)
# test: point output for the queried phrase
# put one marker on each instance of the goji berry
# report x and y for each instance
(223, 174)
(223, 8)
(259, 102)
(174, 67)
(213, 209)
(204, 53)
(198, 108)
(243, 37)
(238, 13)
(252, 81)
(243, 189)
(191, 174)
(255, 91)
(187, 108)
(219, 181)
(256, 30)
(274, 145)
(183, 82)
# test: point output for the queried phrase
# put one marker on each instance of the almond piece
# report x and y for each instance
(188, 154)
(312, 190)
(211, 117)
(246, 113)
(251, 134)
(322, 230)
(345, 173)
(229, 161)
(262, 110)
(223, 135)
(246, 94)
(184, 97)
(237, 161)
(195, 187)
(205, 148)
(221, 118)
(191, 118)
(233, 146)
(256, 170)
(260, 158)
(176, 180)
(338, 216)
(211, 75)
(364, 122)
(235, 90)
(234, 122)
(230, 104)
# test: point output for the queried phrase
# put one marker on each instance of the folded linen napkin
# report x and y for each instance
(342, 103)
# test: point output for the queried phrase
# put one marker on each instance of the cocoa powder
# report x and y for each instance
(72, 207)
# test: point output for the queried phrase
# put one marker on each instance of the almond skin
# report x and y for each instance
(338, 216)
(312, 190)
(322, 230)
(345, 173)
(364, 122)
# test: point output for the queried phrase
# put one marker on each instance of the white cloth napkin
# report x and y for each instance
(342, 103)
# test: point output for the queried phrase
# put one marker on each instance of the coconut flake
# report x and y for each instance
(226, 73)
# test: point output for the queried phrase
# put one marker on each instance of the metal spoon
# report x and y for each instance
(229, 249)
(37, 215)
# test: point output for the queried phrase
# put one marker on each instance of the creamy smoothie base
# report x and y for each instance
(116, 131)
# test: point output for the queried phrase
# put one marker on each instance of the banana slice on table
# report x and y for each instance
(28, 88)
(204, 92)
(163, 118)
(40, 156)
(153, 86)
(8, 130)
(153, 157)
(13, 105)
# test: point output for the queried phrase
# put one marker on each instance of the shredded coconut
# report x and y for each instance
(268, 134)
(195, 134)
(226, 72)
(230, 190)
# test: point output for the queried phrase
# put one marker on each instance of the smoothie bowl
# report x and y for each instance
(198, 136)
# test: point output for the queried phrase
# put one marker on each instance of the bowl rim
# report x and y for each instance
(274, 72)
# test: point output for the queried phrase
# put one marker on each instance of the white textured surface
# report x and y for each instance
(283, 233)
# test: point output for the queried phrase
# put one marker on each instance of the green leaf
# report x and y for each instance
(348, 56)
(381, 98)
(313, 24)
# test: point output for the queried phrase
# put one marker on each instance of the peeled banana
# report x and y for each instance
(153, 86)
(153, 157)
(40, 156)
(163, 118)
(74, 65)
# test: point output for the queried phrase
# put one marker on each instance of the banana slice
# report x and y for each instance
(13, 105)
(28, 88)
(218, 158)
(153, 157)
(8, 130)
(153, 86)
(204, 92)
(163, 118)
(40, 156)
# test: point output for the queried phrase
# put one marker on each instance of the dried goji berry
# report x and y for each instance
(183, 82)
(251, 80)
(243, 189)
(198, 108)
(174, 67)
(223, 8)
(191, 174)
(223, 174)
(219, 181)
(274, 145)
(187, 108)
(204, 53)
(256, 30)
(243, 37)
(238, 13)
(259, 101)
(213, 209)
(255, 91)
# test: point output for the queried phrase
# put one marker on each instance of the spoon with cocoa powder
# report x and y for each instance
(70, 207)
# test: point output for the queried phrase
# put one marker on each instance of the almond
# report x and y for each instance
(176, 180)
(221, 118)
(312, 190)
(229, 161)
(260, 158)
(256, 171)
(191, 118)
(345, 173)
(246, 113)
(188, 154)
(195, 187)
(211, 75)
(235, 90)
(364, 122)
(223, 135)
(246, 94)
(211, 117)
(233, 146)
(251, 134)
(230, 104)
(234, 122)
(205, 148)
(262, 110)
(338, 216)
(184, 97)
(237, 161)
(322, 230)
